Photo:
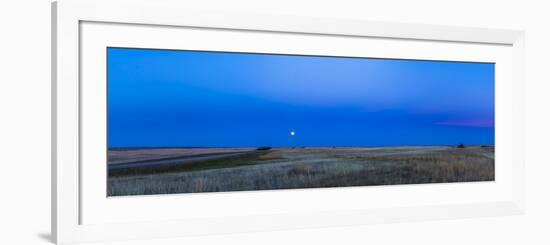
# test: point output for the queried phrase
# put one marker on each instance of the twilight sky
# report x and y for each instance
(204, 99)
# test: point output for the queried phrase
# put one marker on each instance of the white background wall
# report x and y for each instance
(25, 121)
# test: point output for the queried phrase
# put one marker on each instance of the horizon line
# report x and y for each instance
(301, 146)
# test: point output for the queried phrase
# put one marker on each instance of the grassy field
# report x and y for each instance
(286, 168)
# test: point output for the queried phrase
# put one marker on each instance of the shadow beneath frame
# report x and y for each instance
(45, 236)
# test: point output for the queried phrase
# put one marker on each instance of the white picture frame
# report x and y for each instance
(69, 189)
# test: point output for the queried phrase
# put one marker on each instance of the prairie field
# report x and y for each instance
(167, 171)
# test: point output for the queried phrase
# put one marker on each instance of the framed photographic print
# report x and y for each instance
(181, 121)
(171, 122)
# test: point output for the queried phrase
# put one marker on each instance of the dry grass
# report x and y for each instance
(123, 155)
(274, 155)
(325, 167)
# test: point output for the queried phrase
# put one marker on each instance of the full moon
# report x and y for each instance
(292, 133)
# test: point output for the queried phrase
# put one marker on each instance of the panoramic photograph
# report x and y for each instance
(182, 121)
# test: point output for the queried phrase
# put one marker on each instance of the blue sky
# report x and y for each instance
(206, 99)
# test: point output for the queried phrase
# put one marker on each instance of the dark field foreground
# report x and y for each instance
(162, 171)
